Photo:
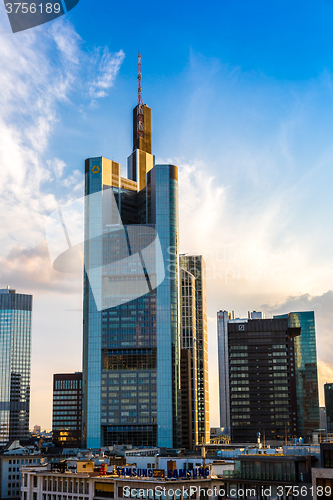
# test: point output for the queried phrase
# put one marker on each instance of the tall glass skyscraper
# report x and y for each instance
(15, 361)
(195, 265)
(189, 342)
(131, 365)
(306, 371)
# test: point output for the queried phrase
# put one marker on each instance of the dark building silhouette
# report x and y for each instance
(328, 390)
(67, 409)
(186, 399)
(262, 380)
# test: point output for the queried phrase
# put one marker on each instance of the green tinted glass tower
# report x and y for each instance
(306, 371)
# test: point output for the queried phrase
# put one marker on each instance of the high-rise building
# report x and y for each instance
(262, 380)
(189, 342)
(131, 351)
(328, 390)
(322, 418)
(67, 409)
(223, 363)
(186, 399)
(196, 339)
(223, 317)
(15, 362)
(306, 371)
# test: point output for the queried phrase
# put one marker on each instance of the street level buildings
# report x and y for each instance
(15, 361)
(67, 409)
(131, 348)
(11, 475)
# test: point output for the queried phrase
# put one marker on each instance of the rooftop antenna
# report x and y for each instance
(140, 112)
(140, 101)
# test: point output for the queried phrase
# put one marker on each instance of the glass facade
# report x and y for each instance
(131, 351)
(195, 264)
(189, 341)
(15, 362)
(306, 371)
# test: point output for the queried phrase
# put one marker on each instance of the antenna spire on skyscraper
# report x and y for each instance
(140, 101)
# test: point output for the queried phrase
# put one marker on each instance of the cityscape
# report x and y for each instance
(145, 350)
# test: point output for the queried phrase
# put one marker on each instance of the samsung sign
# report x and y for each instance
(175, 473)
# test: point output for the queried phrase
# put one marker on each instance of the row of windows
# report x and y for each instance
(23, 461)
(67, 393)
(67, 384)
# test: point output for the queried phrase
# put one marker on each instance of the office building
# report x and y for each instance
(186, 399)
(306, 371)
(262, 381)
(131, 348)
(15, 361)
(195, 265)
(223, 318)
(41, 483)
(67, 409)
(10, 471)
(189, 342)
(322, 417)
(223, 363)
(328, 391)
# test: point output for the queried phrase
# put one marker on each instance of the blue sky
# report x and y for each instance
(242, 101)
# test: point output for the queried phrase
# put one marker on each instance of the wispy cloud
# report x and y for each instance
(39, 72)
(104, 71)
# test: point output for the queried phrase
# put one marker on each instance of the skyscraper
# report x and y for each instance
(223, 363)
(67, 409)
(195, 265)
(328, 391)
(262, 379)
(131, 351)
(306, 371)
(15, 362)
(189, 343)
(223, 318)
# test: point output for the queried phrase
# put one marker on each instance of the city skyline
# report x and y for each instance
(251, 118)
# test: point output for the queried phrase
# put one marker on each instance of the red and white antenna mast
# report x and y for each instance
(140, 109)
(140, 101)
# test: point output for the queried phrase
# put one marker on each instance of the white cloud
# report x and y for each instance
(39, 71)
(57, 166)
(104, 70)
